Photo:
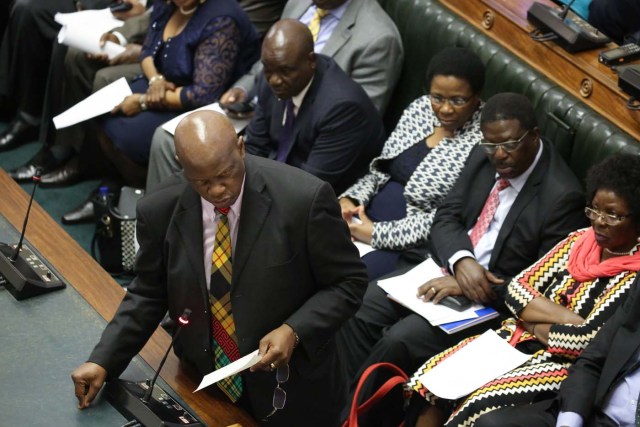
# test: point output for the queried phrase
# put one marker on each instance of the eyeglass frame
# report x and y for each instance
(507, 146)
(454, 101)
(609, 219)
(278, 390)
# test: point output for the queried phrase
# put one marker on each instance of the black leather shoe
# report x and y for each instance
(18, 132)
(66, 175)
(43, 160)
(81, 214)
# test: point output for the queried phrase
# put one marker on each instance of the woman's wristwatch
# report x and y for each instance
(143, 102)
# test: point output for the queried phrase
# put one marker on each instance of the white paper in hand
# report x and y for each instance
(98, 103)
(233, 368)
(483, 360)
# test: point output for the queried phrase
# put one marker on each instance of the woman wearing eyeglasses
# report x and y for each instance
(559, 303)
(396, 201)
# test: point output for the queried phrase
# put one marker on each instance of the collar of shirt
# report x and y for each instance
(297, 101)
(210, 227)
(518, 182)
(327, 25)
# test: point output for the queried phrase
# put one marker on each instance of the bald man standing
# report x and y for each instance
(295, 279)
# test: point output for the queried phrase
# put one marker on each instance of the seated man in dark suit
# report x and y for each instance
(260, 253)
(333, 129)
(514, 200)
(602, 387)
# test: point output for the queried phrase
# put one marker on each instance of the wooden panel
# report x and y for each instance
(580, 74)
(104, 295)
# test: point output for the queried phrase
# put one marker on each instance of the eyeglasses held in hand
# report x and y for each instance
(279, 395)
(454, 101)
(609, 219)
(507, 146)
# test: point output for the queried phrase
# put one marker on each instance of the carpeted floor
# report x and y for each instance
(56, 201)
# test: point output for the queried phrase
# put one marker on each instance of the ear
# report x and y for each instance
(312, 60)
(241, 146)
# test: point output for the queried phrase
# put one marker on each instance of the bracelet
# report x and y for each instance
(155, 78)
(143, 102)
(295, 335)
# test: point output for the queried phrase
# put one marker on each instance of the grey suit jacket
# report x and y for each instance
(294, 263)
(366, 44)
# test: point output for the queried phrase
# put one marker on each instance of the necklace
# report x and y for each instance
(188, 11)
(617, 253)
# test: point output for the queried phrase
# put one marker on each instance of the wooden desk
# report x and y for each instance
(505, 21)
(104, 295)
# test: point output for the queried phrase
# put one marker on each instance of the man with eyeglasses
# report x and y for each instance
(513, 201)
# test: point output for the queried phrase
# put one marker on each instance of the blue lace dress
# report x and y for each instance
(208, 55)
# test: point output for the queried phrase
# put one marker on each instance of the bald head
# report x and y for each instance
(288, 58)
(212, 156)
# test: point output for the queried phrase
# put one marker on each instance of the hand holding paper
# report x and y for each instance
(233, 368)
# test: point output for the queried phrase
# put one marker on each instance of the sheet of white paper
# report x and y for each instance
(101, 17)
(238, 124)
(98, 103)
(404, 288)
(459, 374)
(363, 248)
(87, 39)
(233, 368)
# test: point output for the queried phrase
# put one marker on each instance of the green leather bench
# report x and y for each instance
(426, 26)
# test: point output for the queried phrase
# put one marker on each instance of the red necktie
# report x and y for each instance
(488, 211)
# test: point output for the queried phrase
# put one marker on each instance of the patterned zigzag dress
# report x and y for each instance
(540, 377)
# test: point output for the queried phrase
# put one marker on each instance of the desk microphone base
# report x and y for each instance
(28, 276)
(161, 410)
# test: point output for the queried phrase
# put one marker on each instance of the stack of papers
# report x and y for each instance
(82, 30)
(403, 289)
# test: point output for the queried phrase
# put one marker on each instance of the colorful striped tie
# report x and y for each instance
(314, 25)
(225, 344)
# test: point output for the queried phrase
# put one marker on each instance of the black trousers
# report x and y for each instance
(384, 331)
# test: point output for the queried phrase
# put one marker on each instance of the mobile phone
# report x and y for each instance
(456, 302)
(620, 54)
(239, 107)
(120, 7)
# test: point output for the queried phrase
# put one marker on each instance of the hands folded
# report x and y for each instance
(470, 280)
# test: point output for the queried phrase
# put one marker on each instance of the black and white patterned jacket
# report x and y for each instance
(430, 182)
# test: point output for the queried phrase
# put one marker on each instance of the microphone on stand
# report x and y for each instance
(182, 321)
(565, 10)
(146, 402)
(22, 272)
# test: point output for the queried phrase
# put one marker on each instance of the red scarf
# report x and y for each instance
(584, 260)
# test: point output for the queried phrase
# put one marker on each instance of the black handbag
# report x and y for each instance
(114, 240)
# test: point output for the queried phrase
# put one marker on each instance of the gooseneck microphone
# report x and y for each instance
(36, 181)
(22, 272)
(146, 402)
(565, 10)
(182, 322)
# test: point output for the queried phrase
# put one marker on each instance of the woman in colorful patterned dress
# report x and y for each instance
(396, 201)
(559, 303)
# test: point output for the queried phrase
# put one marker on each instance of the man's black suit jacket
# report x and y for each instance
(549, 206)
(293, 263)
(602, 364)
(337, 131)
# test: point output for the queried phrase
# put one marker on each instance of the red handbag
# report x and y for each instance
(399, 378)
